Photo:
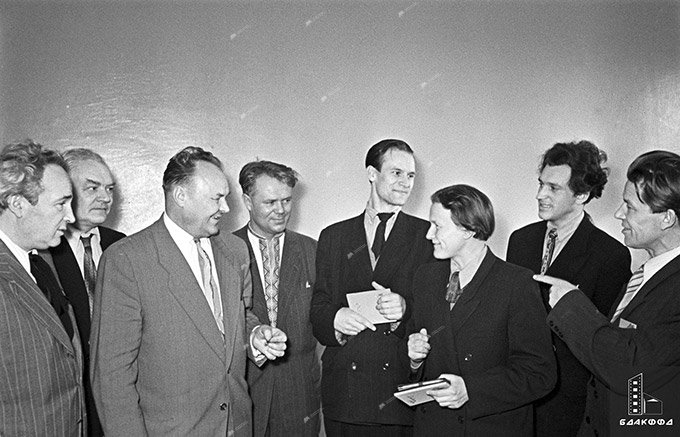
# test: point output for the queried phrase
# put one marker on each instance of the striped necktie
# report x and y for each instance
(209, 284)
(550, 248)
(631, 290)
(89, 269)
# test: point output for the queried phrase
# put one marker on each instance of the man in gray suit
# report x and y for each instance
(172, 324)
(41, 391)
(286, 397)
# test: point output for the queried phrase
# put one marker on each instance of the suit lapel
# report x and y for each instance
(395, 250)
(30, 296)
(660, 276)
(356, 250)
(572, 256)
(469, 300)
(289, 273)
(181, 283)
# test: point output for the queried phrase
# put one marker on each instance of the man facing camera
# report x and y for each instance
(172, 324)
(482, 328)
(41, 369)
(77, 256)
(382, 247)
(566, 244)
(285, 392)
(639, 335)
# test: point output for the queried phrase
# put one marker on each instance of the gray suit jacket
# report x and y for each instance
(41, 392)
(159, 365)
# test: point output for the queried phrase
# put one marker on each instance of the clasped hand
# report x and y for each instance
(270, 341)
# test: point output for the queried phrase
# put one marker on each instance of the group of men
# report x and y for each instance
(181, 329)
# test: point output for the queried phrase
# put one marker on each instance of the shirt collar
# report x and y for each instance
(655, 264)
(372, 213)
(569, 227)
(20, 254)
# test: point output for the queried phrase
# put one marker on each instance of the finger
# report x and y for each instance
(377, 286)
(423, 331)
(546, 279)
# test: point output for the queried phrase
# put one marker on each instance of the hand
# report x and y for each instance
(270, 341)
(349, 322)
(454, 396)
(418, 347)
(391, 305)
(558, 288)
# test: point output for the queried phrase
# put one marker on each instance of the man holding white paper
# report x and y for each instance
(380, 248)
(481, 326)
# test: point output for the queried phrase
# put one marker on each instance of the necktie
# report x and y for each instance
(50, 287)
(631, 290)
(550, 248)
(271, 267)
(89, 270)
(453, 290)
(379, 239)
(209, 284)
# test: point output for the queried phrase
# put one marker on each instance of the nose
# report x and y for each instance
(105, 195)
(68, 213)
(620, 212)
(278, 208)
(430, 233)
(224, 206)
(540, 194)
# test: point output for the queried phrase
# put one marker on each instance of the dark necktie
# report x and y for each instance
(89, 270)
(50, 287)
(379, 239)
(453, 290)
(550, 248)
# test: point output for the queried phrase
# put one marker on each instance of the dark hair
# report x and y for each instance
(470, 208)
(585, 160)
(253, 170)
(375, 155)
(22, 166)
(656, 176)
(183, 165)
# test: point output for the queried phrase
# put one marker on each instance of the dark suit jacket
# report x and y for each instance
(600, 265)
(359, 378)
(286, 391)
(41, 392)
(72, 282)
(495, 338)
(160, 366)
(614, 354)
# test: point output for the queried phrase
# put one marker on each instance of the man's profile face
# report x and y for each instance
(556, 201)
(394, 182)
(206, 200)
(93, 193)
(448, 238)
(641, 227)
(270, 204)
(43, 224)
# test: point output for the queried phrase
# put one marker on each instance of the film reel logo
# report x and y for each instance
(639, 402)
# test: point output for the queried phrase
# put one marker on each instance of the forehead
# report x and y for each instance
(271, 187)
(55, 182)
(398, 159)
(91, 170)
(211, 176)
(630, 194)
(438, 213)
(556, 174)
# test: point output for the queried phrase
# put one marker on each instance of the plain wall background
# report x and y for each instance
(479, 89)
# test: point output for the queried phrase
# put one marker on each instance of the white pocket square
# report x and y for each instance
(307, 285)
(625, 324)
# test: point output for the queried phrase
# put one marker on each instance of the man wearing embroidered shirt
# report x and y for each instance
(77, 256)
(382, 247)
(566, 244)
(172, 323)
(639, 334)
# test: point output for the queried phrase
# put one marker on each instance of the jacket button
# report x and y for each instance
(223, 406)
(461, 419)
(353, 365)
(387, 332)
(588, 420)
(551, 323)
(468, 357)
(386, 366)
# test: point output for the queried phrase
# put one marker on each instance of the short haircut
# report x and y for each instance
(182, 166)
(79, 154)
(22, 166)
(253, 170)
(585, 160)
(656, 176)
(470, 208)
(376, 154)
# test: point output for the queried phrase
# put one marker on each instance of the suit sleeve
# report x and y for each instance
(613, 275)
(609, 351)
(115, 341)
(529, 372)
(324, 305)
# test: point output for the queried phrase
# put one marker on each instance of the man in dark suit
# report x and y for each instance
(566, 244)
(76, 264)
(285, 392)
(640, 332)
(481, 325)
(41, 391)
(382, 247)
(172, 324)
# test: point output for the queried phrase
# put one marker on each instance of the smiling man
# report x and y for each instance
(382, 247)
(566, 244)
(77, 256)
(285, 392)
(41, 373)
(172, 323)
